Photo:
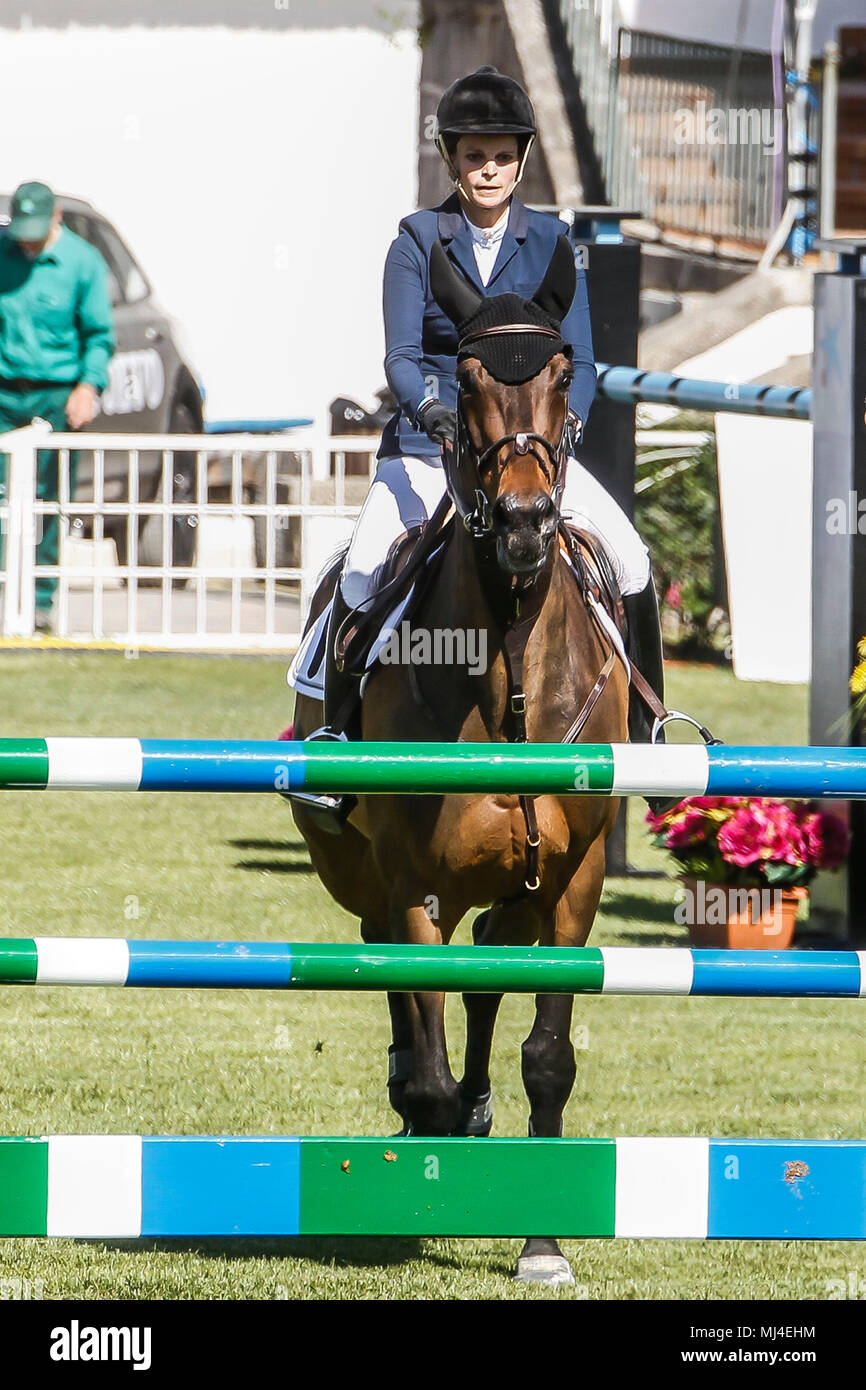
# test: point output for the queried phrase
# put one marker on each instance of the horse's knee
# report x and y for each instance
(549, 1068)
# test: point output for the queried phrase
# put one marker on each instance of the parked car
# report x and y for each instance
(153, 388)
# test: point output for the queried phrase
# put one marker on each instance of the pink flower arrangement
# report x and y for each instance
(751, 841)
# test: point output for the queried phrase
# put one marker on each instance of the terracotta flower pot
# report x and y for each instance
(721, 915)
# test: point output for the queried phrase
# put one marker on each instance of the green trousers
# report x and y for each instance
(17, 409)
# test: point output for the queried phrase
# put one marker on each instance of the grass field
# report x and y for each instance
(109, 1061)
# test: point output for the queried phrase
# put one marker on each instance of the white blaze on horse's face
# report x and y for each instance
(518, 478)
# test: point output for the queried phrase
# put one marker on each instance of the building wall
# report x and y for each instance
(748, 22)
(256, 159)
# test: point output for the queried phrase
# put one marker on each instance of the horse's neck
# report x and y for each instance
(563, 653)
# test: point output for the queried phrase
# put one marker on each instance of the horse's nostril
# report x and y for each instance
(516, 513)
(542, 508)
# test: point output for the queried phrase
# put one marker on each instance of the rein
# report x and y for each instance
(528, 599)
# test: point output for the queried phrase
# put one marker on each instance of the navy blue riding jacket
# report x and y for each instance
(421, 343)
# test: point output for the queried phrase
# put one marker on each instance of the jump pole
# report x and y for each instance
(130, 1186)
(476, 969)
(600, 769)
(629, 385)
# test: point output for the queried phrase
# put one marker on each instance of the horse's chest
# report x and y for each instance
(485, 834)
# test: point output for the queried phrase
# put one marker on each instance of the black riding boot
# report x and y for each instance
(644, 648)
(342, 721)
(342, 704)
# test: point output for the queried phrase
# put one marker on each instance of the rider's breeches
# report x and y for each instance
(406, 491)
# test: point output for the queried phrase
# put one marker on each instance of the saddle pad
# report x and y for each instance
(309, 679)
(299, 675)
(306, 674)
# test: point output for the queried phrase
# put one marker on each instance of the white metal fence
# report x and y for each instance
(187, 541)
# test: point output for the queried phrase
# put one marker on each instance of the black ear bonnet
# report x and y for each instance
(509, 357)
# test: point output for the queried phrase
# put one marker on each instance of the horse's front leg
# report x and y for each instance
(375, 932)
(431, 1099)
(549, 1070)
(509, 922)
(548, 1065)
(548, 1062)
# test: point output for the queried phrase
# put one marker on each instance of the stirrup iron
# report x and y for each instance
(332, 810)
(674, 714)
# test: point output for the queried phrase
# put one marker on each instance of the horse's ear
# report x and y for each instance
(454, 295)
(556, 291)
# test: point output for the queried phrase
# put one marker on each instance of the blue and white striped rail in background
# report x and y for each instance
(479, 969)
(131, 764)
(692, 393)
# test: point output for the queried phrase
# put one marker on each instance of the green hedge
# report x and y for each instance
(677, 513)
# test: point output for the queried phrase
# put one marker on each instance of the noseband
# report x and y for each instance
(476, 517)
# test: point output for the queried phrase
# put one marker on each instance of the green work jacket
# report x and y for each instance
(55, 314)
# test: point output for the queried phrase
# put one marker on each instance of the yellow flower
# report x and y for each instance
(861, 647)
(858, 679)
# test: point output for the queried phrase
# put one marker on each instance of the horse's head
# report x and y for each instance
(513, 374)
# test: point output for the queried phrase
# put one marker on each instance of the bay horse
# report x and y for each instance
(410, 867)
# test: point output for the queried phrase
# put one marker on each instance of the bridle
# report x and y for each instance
(526, 599)
(475, 514)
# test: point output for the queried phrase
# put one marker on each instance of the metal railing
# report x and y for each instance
(687, 132)
(700, 122)
(186, 541)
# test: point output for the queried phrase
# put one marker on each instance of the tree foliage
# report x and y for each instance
(677, 514)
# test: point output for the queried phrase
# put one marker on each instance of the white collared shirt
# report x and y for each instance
(485, 243)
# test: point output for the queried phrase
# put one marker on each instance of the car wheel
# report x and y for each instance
(184, 528)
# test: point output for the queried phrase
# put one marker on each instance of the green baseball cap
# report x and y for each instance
(32, 210)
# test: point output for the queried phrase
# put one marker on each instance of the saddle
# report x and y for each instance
(411, 565)
(413, 562)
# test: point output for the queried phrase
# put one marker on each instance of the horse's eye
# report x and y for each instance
(466, 382)
(565, 380)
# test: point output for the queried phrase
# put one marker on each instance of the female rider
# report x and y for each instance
(486, 127)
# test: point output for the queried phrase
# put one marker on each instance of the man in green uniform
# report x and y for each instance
(56, 340)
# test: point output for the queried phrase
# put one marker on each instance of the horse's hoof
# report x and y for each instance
(543, 1269)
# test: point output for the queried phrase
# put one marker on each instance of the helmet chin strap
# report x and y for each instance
(530, 142)
(455, 179)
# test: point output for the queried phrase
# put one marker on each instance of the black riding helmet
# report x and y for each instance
(485, 103)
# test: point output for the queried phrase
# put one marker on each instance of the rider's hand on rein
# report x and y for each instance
(438, 422)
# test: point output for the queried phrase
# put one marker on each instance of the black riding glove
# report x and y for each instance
(438, 422)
